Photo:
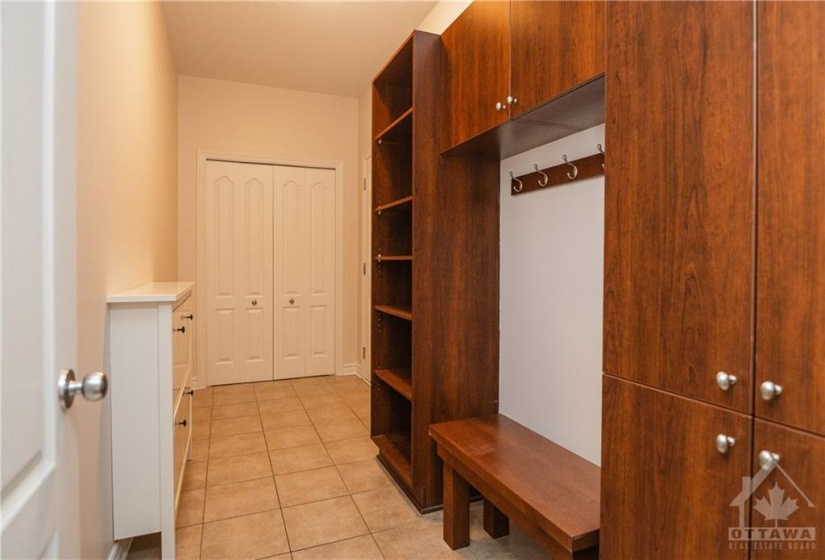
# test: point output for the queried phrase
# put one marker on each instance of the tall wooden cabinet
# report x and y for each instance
(713, 270)
(434, 275)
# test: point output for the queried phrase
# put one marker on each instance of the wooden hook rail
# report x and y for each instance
(585, 168)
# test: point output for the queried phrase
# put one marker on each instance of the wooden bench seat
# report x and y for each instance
(548, 491)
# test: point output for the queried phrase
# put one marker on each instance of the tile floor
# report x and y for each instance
(286, 469)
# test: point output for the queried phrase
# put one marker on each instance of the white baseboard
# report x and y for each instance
(351, 369)
(120, 550)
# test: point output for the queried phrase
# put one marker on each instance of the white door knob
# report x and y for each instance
(93, 387)
(770, 390)
(725, 380)
(724, 443)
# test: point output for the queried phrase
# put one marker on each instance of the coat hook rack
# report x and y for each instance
(562, 174)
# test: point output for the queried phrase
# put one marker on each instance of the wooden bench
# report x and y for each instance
(549, 492)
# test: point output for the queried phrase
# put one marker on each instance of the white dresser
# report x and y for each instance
(151, 399)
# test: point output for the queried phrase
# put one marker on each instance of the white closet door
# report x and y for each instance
(239, 272)
(304, 272)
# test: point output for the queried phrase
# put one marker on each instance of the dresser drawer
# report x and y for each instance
(182, 320)
(182, 436)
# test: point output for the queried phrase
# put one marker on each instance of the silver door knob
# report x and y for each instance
(93, 387)
(724, 443)
(725, 380)
(768, 460)
(254, 302)
(500, 106)
(511, 100)
(291, 301)
(769, 390)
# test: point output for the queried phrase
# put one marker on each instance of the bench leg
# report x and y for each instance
(495, 522)
(456, 509)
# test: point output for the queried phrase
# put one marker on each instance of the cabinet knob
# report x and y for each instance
(291, 301)
(181, 423)
(768, 460)
(511, 100)
(180, 330)
(254, 302)
(500, 106)
(190, 316)
(725, 380)
(770, 390)
(191, 392)
(724, 443)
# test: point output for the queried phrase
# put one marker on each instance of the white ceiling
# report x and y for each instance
(325, 47)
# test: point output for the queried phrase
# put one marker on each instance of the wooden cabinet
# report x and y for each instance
(434, 275)
(151, 369)
(508, 59)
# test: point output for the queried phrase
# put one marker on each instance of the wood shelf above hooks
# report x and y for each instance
(586, 168)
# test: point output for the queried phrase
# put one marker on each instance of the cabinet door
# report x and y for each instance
(790, 328)
(679, 210)
(476, 70)
(666, 489)
(555, 45)
(788, 499)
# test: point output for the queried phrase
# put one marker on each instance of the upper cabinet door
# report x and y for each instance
(679, 208)
(790, 327)
(476, 71)
(555, 46)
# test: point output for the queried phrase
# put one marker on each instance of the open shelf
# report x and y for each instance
(395, 311)
(395, 204)
(399, 131)
(385, 258)
(395, 450)
(399, 379)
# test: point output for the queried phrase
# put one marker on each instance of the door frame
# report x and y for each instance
(366, 272)
(200, 257)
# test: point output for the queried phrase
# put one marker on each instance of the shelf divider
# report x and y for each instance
(395, 450)
(396, 311)
(397, 378)
(394, 204)
(398, 130)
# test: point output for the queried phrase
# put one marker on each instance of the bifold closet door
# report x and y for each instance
(304, 272)
(238, 288)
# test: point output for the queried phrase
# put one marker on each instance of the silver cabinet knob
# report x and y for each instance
(768, 460)
(724, 443)
(500, 106)
(511, 100)
(769, 390)
(93, 387)
(291, 301)
(725, 380)
(254, 302)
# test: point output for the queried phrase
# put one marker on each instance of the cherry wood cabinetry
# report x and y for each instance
(435, 273)
(535, 60)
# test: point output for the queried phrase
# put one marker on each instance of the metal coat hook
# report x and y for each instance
(601, 151)
(517, 180)
(543, 174)
(575, 169)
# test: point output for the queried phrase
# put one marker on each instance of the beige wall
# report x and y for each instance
(244, 118)
(126, 207)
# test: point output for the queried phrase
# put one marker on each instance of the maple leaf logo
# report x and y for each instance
(776, 507)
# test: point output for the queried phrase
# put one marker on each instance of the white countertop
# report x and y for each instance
(154, 292)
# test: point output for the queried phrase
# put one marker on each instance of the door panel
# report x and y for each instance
(540, 65)
(666, 490)
(790, 304)
(679, 206)
(239, 272)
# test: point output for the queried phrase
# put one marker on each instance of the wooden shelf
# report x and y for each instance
(394, 204)
(385, 258)
(399, 131)
(395, 450)
(399, 379)
(396, 311)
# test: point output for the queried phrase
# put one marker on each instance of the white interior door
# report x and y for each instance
(239, 272)
(304, 274)
(40, 502)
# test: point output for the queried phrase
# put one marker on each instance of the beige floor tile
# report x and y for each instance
(309, 486)
(385, 509)
(345, 381)
(275, 392)
(516, 546)
(274, 383)
(302, 458)
(235, 469)
(249, 537)
(323, 522)
(314, 390)
(323, 400)
(190, 508)
(202, 398)
(236, 426)
(201, 430)
(241, 444)
(202, 414)
(146, 547)
(233, 398)
(330, 414)
(351, 450)
(284, 438)
(286, 556)
(363, 476)
(240, 498)
(233, 389)
(353, 394)
(420, 540)
(319, 380)
(363, 411)
(200, 448)
(240, 410)
(280, 405)
(343, 429)
(188, 542)
(360, 548)
(194, 476)
(287, 419)
(355, 400)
